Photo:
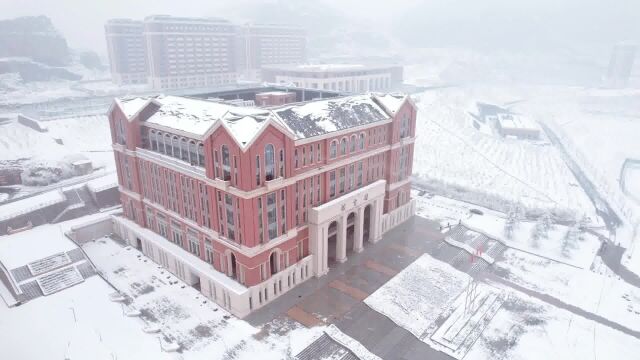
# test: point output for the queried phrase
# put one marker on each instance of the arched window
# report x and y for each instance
(226, 164)
(333, 149)
(193, 152)
(361, 142)
(167, 145)
(273, 262)
(175, 143)
(269, 162)
(281, 162)
(343, 146)
(153, 140)
(184, 150)
(201, 154)
(352, 144)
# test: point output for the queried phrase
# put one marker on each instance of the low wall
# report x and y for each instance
(398, 216)
(90, 231)
(32, 123)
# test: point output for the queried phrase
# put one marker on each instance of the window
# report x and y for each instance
(176, 147)
(154, 141)
(361, 141)
(226, 163)
(228, 200)
(208, 251)
(319, 153)
(184, 150)
(352, 175)
(342, 175)
(215, 165)
(404, 126)
(304, 157)
(332, 184)
(343, 146)
(283, 212)
(310, 154)
(257, 169)
(272, 219)
(200, 154)
(352, 144)
(281, 162)
(360, 173)
(194, 244)
(333, 149)
(295, 157)
(177, 233)
(168, 150)
(260, 226)
(269, 163)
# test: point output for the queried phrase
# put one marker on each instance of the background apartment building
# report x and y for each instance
(176, 52)
(269, 44)
(353, 78)
(127, 55)
(189, 52)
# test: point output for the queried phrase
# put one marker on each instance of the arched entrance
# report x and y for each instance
(351, 227)
(366, 224)
(332, 243)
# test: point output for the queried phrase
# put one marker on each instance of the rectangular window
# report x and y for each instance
(310, 154)
(283, 212)
(304, 157)
(258, 170)
(260, 225)
(295, 158)
(342, 180)
(272, 218)
(228, 199)
(319, 153)
(194, 244)
(332, 184)
(360, 173)
(352, 175)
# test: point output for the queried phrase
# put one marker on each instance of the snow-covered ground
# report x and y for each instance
(579, 251)
(526, 328)
(460, 161)
(86, 135)
(602, 294)
(185, 317)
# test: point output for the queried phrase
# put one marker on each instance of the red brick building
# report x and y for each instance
(246, 203)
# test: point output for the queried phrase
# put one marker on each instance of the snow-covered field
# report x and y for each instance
(602, 294)
(579, 251)
(86, 135)
(527, 329)
(461, 161)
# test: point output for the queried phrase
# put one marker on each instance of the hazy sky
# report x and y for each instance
(459, 22)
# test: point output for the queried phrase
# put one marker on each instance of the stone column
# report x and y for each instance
(376, 221)
(341, 250)
(317, 247)
(358, 231)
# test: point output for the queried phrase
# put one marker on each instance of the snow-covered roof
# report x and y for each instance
(24, 247)
(391, 102)
(336, 68)
(513, 121)
(131, 106)
(32, 203)
(244, 123)
(103, 183)
(190, 115)
(320, 117)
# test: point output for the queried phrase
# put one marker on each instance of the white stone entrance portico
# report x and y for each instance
(359, 211)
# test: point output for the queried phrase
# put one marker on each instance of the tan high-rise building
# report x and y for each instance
(269, 44)
(125, 46)
(189, 52)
